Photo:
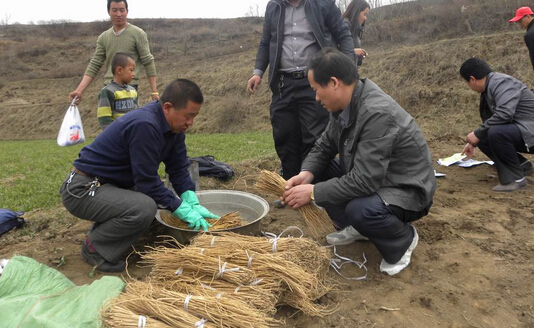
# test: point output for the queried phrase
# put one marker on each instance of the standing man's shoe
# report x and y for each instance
(527, 167)
(511, 186)
(278, 204)
(345, 236)
(393, 269)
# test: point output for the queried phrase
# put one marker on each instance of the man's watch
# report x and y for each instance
(312, 195)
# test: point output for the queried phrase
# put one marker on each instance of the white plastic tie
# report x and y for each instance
(340, 261)
(141, 323)
(218, 296)
(207, 287)
(273, 239)
(200, 323)
(202, 251)
(212, 243)
(249, 259)
(237, 289)
(222, 269)
(256, 282)
(179, 272)
(186, 302)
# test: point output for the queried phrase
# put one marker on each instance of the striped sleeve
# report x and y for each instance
(105, 102)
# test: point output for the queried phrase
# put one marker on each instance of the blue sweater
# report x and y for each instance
(128, 154)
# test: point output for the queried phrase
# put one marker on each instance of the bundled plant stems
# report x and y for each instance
(306, 252)
(316, 219)
(186, 310)
(119, 315)
(227, 221)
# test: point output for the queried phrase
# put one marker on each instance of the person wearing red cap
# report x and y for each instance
(523, 17)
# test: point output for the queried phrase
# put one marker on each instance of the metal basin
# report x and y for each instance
(251, 207)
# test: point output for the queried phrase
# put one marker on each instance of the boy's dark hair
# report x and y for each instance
(180, 91)
(125, 3)
(475, 67)
(330, 62)
(119, 60)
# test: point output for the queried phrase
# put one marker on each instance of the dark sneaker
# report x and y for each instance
(527, 167)
(511, 186)
(93, 258)
(278, 204)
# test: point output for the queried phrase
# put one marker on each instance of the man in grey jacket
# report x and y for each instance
(293, 31)
(507, 129)
(385, 178)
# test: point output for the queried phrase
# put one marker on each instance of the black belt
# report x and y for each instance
(297, 75)
(101, 180)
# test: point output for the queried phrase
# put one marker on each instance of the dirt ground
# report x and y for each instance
(472, 268)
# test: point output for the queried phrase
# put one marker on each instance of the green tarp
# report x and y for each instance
(34, 295)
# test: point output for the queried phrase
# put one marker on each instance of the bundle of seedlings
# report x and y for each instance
(138, 307)
(300, 288)
(316, 219)
(170, 264)
(261, 294)
(309, 255)
(227, 221)
(220, 312)
(121, 316)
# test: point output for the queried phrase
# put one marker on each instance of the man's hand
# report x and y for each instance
(469, 150)
(155, 96)
(360, 52)
(74, 94)
(302, 178)
(298, 190)
(253, 84)
(472, 139)
(193, 219)
(298, 196)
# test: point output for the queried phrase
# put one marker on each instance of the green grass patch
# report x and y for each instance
(31, 172)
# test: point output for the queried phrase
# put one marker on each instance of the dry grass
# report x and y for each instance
(316, 219)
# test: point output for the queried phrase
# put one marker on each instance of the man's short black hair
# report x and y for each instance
(119, 60)
(475, 67)
(125, 3)
(330, 62)
(180, 91)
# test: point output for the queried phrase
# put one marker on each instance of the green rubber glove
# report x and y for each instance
(193, 219)
(190, 197)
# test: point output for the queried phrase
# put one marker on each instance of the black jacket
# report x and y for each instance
(529, 40)
(325, 20)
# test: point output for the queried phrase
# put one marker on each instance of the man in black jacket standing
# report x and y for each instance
(294, 30)
(523, 17)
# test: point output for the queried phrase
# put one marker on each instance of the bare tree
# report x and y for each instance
(5, 21)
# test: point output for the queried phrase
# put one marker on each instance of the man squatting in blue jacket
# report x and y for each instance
(115, 181)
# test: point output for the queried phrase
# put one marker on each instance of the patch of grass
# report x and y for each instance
(31, 172)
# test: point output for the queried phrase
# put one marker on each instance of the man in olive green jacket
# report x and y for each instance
(121, 37)
(385, 178)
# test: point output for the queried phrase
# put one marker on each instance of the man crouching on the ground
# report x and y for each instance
(507, 129)
(385, 178)
(115, 181)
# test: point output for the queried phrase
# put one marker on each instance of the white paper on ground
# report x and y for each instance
(448, 161)
(472, 162)
(439, 175)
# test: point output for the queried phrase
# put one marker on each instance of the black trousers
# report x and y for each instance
(297, 120)
(386, 226)
(503, 145)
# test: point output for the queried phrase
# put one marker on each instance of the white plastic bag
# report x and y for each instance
(71, 131)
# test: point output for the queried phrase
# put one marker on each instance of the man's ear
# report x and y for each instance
(167, 107)
(335, 81)
(472, 79)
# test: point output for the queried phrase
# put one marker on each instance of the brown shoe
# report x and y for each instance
(511, 186)
(93, 258)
